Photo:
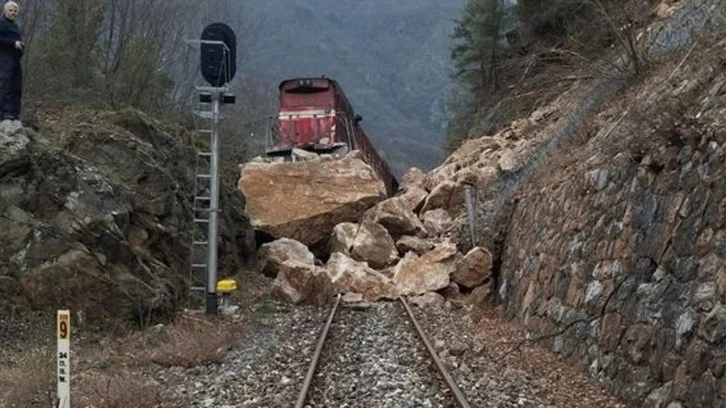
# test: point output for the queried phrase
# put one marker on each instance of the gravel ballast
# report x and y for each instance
(373, 358)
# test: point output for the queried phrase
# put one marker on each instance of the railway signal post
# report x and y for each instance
(218, 46)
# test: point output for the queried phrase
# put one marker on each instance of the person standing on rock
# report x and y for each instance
(11, 74)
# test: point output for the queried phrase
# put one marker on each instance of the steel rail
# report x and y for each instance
(460, 397)
(316, 357)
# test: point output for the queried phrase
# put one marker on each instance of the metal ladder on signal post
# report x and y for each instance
(217, 62)
(206, 197)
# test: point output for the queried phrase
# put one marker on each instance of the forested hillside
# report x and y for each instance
(115, 53)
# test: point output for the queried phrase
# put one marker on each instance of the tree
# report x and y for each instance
(480, 55)
(118, 53)
(549, 18)
(137, 79)
(68, 65)
(477, 53)
(584, 28)
(461, 114)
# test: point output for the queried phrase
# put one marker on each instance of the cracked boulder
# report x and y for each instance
(397, 217)
(373, 244)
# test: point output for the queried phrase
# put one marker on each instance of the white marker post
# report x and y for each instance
(64, 359)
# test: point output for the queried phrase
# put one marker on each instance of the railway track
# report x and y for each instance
(420, 378)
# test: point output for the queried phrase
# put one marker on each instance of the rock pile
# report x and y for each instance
(395, 248)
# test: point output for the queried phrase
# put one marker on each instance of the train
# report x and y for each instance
(315, 115)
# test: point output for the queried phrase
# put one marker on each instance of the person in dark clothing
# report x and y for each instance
(11, 74)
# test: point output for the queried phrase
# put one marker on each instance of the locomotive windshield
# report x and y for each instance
(305, 85)
(307, 93)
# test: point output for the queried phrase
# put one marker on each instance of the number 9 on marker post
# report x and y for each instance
(64, 324)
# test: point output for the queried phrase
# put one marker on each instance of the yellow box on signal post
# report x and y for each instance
(64, 359)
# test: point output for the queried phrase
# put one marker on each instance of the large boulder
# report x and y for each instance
(414, 177)
(448, 194)
(302, 284)
(373, 244)
(413, 198)
(397, 217)
(349, 275)
(509, 162)
(273, 254)
(416, 275)
(305, 200)
(368, 242)
(474, 268)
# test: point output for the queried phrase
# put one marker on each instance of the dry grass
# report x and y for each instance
(630, 123)
(117, 371)
(29, 382)
(193, 342)
(118, 391)
(189, 342)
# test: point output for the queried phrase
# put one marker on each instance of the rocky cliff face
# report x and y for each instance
(95, 213)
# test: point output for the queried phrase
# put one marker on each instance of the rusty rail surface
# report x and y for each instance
(316, 357)
(460, 397)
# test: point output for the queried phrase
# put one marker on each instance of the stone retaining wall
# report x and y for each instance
(616, 257)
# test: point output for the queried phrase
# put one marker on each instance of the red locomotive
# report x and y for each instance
(315, 115)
